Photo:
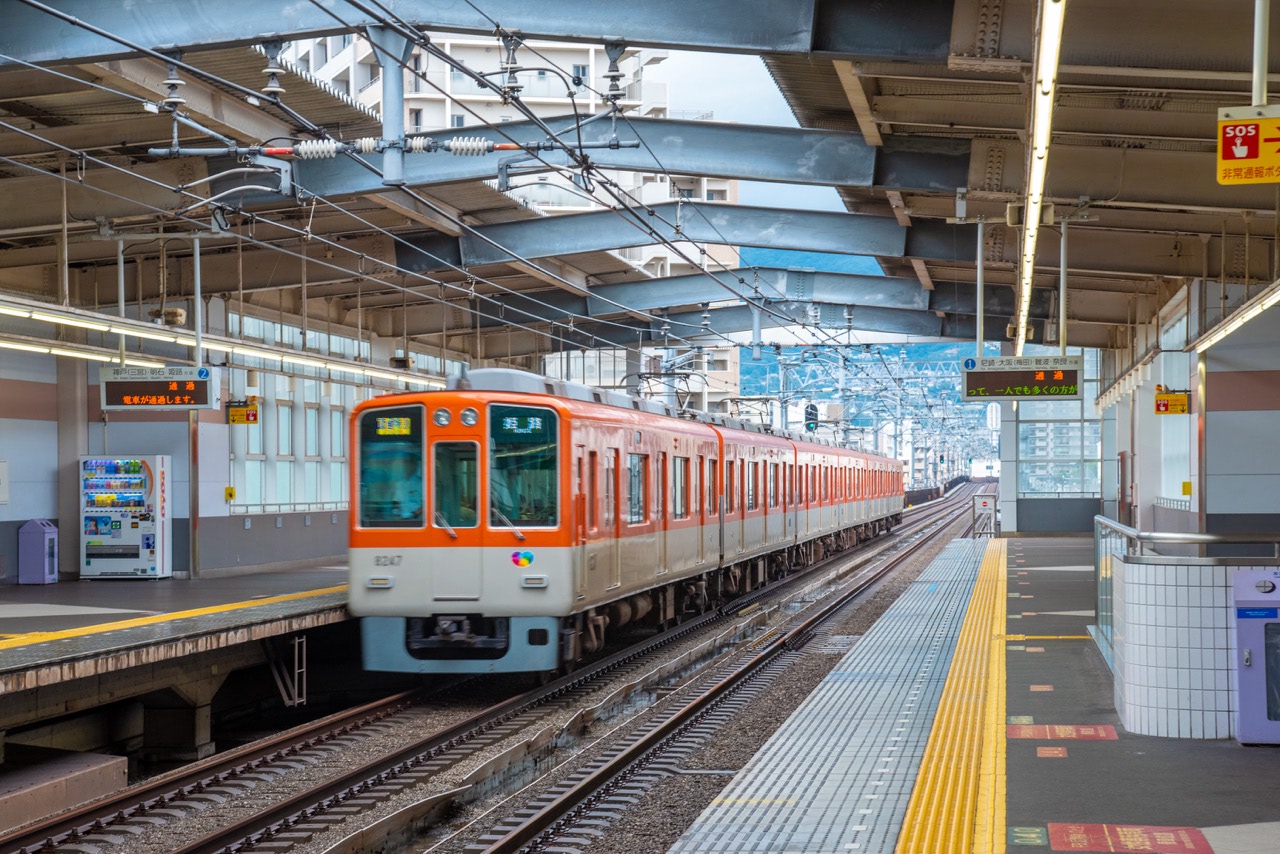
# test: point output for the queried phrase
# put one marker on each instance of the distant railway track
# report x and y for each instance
(191, 797)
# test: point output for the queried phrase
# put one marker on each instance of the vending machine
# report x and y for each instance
(126, 530)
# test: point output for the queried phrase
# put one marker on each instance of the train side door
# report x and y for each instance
(583, 508)
(455, 510)
(662, 503)
(612, 516)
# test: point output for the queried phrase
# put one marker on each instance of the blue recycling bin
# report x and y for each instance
(38, 552)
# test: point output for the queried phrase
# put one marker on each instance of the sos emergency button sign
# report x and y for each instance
(1249, 145)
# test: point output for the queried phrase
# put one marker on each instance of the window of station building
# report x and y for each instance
(457, 121)
(284, 429)
(283, 482)
(310, 482)
(249, 490)
(337, 434)
(1059, 442)
(637, 488)
(524, 487)
(311, 431)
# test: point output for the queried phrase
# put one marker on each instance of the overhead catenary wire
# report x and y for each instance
(275, 101)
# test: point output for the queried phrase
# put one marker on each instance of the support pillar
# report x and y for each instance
(177, 723)
(73, 440)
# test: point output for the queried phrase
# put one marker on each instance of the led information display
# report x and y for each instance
(1023, 378)
(160, 388)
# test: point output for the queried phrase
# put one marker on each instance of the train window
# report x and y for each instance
(695, 485)
(610, 487)
(713, 500)
(637, 488)
(593, 491)
(456, 475)
(523, 466)
(773, 484)
(730, 502)
(660, 489)
(680, 488)
(391, 471)
(752, 477)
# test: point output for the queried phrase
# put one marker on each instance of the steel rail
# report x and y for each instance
(548, 816)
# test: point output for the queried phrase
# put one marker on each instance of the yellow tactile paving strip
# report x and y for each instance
(84, 631)
(958, 803)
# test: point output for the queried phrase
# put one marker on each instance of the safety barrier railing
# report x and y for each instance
(1112, 539)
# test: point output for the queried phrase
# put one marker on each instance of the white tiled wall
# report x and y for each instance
(1174, 642)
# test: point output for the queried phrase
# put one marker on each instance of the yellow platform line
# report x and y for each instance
(42, 637)
(958, 803)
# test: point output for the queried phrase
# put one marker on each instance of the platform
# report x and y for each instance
(72, 630)
(1020, 749)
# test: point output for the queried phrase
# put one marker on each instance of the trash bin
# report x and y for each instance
(38, 552)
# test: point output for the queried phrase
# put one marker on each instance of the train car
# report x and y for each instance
(508, 523)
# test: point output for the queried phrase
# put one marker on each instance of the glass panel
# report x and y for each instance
(337, 434)
(310, 481)
(636, 498)
(523, 466)
(312, 424)
(284, 481)
(713, 504)
(680, 488)
(391, 470)
(753, 475)
(1271, 658)
(337, 481)
(610, 487)
(1032, 409)
(252, 482)
(254, 434)
(284, 429)
(456, 476)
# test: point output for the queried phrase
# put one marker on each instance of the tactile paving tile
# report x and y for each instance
(110, 640)
(836, 777)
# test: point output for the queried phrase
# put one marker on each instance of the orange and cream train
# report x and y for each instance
(507, 523)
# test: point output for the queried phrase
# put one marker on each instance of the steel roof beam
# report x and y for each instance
(735, 26)
(711, 149)
(734, 225)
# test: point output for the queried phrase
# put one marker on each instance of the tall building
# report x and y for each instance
(562, 78)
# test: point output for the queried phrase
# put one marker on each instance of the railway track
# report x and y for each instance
(497, 741)
(573, 814)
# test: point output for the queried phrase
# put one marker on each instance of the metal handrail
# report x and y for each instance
(1140, 538)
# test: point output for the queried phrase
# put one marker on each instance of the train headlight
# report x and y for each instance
(470, 417)
(442, 417)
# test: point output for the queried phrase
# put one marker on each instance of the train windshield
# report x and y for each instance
(391, 471)
(457, 484)
(523, 465)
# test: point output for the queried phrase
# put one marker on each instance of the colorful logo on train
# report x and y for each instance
(522, 558)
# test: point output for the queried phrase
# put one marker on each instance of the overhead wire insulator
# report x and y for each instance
(316, 149)
(468, 146)
(366, 145)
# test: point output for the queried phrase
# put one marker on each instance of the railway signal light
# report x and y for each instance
(811, 417)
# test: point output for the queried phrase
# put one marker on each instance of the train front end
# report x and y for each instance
(459, 560)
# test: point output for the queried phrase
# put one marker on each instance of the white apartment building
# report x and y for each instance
(438, 97)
